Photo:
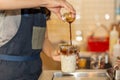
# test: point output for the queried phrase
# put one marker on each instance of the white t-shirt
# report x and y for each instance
(9, 24)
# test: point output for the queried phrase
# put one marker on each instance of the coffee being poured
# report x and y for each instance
(68, 18)
(68, 51)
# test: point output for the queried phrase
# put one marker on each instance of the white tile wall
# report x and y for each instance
(87, 10)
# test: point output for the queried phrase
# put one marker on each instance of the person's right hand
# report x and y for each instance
(56, 55)
(55, 6)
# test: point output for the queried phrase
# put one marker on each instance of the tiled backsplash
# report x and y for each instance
(90, 13)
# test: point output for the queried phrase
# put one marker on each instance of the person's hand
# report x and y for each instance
(56, 55)
(55, 6)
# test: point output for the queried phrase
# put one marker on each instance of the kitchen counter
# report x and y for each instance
(48, 74)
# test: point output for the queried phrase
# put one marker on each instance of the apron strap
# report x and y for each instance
(19, 58)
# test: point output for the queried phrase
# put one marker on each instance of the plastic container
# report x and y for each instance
(116, 52)
(98, 43)
(114, 36)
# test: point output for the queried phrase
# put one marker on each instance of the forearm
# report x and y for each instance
(48, 48)
(18, 4)
(51, 50)
(54, 6)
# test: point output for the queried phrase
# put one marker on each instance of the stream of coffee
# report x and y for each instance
(70, 34)
(68, 17)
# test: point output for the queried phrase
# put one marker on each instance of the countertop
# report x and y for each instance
(48, 74)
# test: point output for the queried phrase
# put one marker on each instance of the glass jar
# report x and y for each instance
(82, 63)
(68, 58)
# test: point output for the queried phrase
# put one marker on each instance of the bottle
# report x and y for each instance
(114, 36)
(116, 52)
(107, 64)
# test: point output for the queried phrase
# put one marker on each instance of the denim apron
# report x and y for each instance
(18, 59)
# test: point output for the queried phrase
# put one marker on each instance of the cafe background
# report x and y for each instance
(94, 17)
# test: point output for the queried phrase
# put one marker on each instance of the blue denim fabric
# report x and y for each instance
(21, 45)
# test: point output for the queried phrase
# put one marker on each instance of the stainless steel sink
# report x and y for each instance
(82, 75)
